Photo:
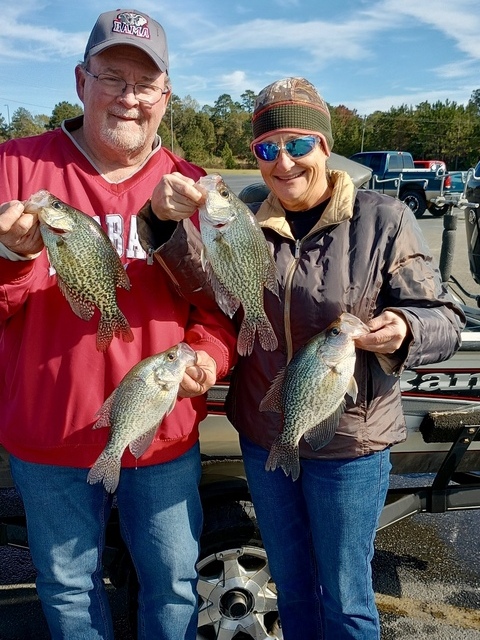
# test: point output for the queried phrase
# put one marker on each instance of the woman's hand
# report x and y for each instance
(388, 332)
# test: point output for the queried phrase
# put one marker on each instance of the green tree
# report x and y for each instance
(346, 130)
(24, 124)
(4, 130)
(193, 144)
(227, 157)
(63, 111)
(248, 100)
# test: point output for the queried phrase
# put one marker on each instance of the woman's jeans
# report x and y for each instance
(161, 519)
(319, 536)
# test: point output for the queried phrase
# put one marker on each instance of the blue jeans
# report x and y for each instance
(161, 519)
(319, 536)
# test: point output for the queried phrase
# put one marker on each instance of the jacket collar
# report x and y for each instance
(271, 214)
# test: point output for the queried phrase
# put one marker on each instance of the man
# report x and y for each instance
(54, 380)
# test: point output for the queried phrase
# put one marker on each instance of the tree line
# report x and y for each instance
(219, 136)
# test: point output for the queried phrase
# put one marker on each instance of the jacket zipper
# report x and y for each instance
(288, 299)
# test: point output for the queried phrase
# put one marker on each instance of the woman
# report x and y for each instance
(336, 249)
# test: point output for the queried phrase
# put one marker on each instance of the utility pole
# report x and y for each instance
(8, 115)
(363, 130)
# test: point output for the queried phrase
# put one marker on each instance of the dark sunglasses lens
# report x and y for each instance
(300, 146)
(267, 151)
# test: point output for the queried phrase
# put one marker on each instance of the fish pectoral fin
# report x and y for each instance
(273, 398)
(321, 434)
(204, 259)
(81, 307)
(141, 444)
(352, 389)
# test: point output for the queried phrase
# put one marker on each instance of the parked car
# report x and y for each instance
(433, 165)
(458, 180)
(395, 174)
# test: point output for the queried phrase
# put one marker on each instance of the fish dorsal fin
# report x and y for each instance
(321, 434)
(141, 444)
(273, 398)
(81, 307)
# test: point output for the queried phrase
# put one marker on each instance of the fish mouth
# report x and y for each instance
(36, 201)
(187, 349)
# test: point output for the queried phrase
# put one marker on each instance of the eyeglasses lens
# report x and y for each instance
(296, 148)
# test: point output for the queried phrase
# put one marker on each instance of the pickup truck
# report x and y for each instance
(394, 173)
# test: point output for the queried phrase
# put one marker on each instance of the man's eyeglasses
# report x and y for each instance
(115, 86)
(296, 148)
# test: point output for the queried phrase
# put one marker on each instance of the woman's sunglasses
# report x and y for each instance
(296, 148)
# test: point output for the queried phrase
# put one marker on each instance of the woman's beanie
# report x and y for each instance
(291, 103)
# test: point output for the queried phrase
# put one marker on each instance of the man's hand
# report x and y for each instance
(199, 377)
(388, 331)
(176, 197)
(19, 231)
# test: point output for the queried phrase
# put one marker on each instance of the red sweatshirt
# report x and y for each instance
(52, 378)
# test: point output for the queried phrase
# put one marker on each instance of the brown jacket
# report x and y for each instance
(366, 254)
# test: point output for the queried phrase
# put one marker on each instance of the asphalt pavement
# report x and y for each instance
(426, 567)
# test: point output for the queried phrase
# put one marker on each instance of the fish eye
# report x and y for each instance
(171, 356)
(335, 331)
(223, 192)
(56, 204)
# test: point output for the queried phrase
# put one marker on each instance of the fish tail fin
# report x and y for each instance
(266, 335)
(285, 456)
(110, 326)
(246, 337)
(106, 469)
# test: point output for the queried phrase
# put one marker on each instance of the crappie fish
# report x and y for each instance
(134, 411)
(87, 265)
(310, 392)
(238, 262)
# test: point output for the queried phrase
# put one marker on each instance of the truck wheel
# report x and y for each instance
(236, 594)
(438, 212)
(415, 201)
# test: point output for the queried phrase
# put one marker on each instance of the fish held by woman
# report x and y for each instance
(135, 409)
(310, 392)
(87, 265)
(238, 262)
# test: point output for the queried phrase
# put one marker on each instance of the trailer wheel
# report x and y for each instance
(415, 201)
(236, 595)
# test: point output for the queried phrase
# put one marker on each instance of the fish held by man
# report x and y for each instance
(238, 262)
(87, 265)
(135, 409)
(310, 392)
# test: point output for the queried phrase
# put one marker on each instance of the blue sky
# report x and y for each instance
(364, 54)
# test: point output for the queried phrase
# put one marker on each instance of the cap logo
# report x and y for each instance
(132, 24)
